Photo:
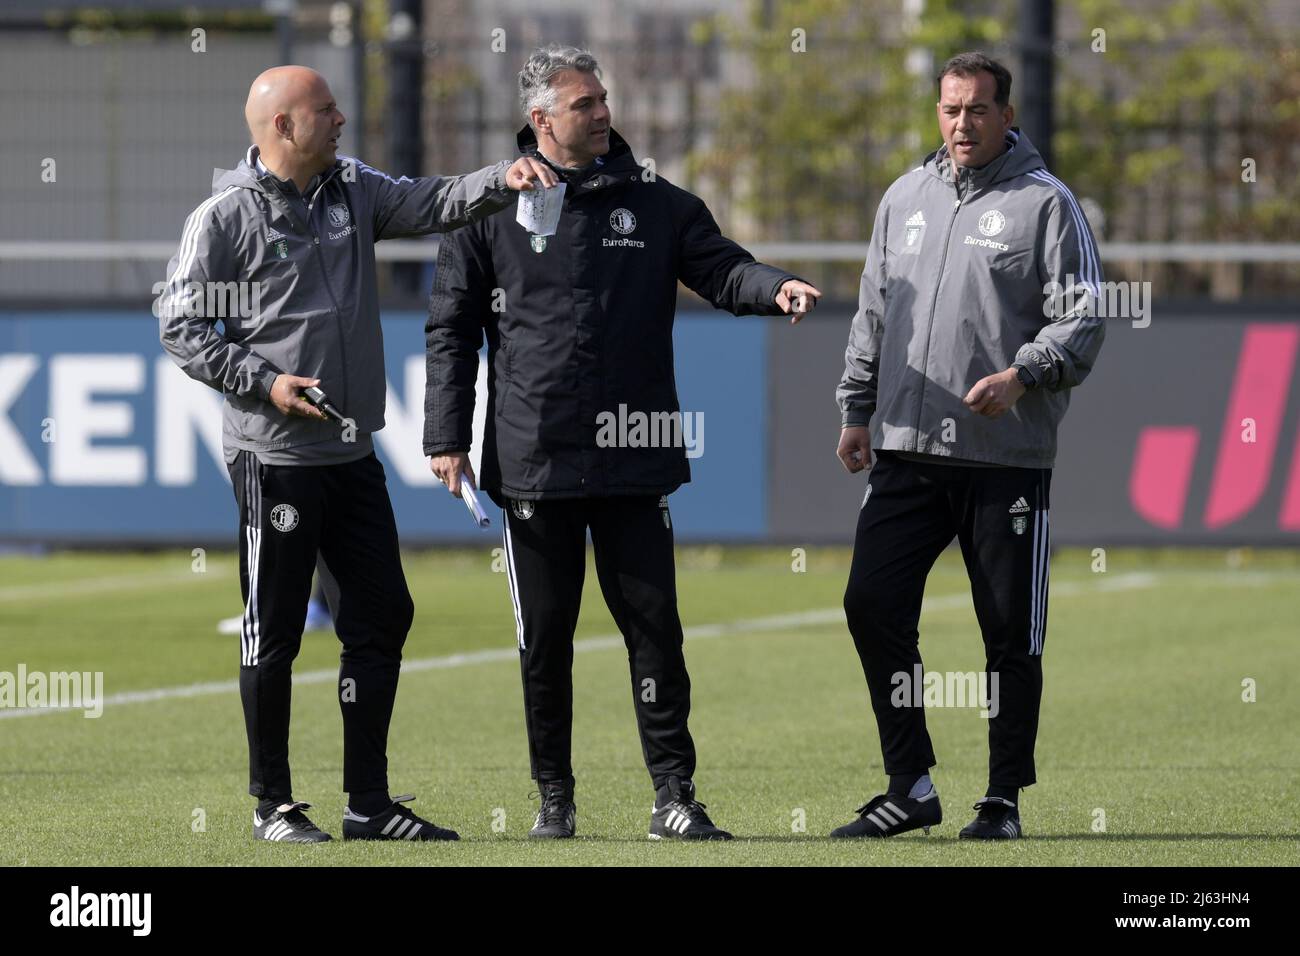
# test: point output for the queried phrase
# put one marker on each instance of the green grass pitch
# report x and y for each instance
(1143, 718)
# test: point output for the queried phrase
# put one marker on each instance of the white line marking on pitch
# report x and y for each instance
(776, 622)
(108, 583)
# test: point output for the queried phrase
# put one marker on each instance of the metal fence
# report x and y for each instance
(134, 120)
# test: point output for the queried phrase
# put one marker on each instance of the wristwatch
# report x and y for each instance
(1025, 378)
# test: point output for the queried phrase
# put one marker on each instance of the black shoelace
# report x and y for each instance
(691, 808)
(871, 804)
(298, 820)
(555, 808)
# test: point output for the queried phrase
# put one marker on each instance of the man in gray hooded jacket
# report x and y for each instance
(282, 255)
(958, 370)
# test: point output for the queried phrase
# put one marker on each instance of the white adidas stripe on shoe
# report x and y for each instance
(401, 824)
(277, 830)
(286, 827)
(884, 816)
(684, 819)
(891, 813)
(678, 821)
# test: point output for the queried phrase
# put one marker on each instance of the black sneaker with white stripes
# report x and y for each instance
(558, 817)
(288, 824)
(682, 817)
(998, 819)
(395, 823)
(891, 814)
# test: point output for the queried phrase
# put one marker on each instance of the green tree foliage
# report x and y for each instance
(1157, 125)
(809, 145)
(1155, 128)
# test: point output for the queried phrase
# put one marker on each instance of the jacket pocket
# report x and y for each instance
(266, 426)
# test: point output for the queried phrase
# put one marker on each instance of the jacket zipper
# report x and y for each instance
(597, 460)
(338, 313)
(934, 303)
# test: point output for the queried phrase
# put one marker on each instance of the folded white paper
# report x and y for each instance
(539, 209)
(470, 497)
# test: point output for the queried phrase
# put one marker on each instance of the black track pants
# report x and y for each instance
(286, 515)
(999, 516)
(546, 550)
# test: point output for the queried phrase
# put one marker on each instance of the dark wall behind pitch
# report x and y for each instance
(1191, 369)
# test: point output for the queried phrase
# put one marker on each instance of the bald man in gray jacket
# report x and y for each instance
(282, 255)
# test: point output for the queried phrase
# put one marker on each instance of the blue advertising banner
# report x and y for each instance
(103, 440)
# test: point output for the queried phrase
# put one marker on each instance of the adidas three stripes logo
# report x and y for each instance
(275, 831)
(886, 815)
(677, 821)
(278, 830)
(400, 828)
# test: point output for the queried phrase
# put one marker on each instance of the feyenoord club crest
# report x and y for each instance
(622, 221)
(339, 215)
(1019, 523)
(284, 517)
(992, 222)
(523, 509)
(282, 249)
(538, 243)
(663, 506)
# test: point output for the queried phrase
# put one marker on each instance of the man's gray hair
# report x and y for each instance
(542, 67)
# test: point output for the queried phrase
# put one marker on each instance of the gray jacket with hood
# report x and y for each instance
(311, 303)
(954, 289)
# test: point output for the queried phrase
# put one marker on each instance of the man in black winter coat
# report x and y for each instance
(579, 330)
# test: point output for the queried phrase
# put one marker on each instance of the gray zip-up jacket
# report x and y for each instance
(302, 295)
(954, 289)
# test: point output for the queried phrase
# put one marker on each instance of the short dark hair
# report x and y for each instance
(969, 64)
